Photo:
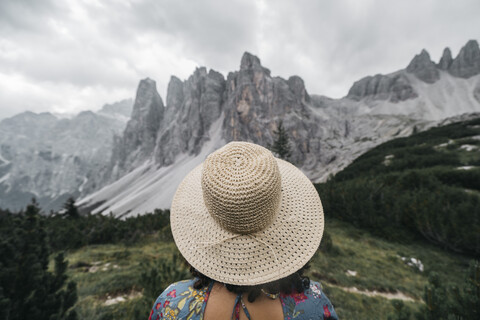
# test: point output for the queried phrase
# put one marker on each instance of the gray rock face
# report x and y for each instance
(446, 60)
(174, 95)
(251, 63)
(192, 107)
(140, 135)
(249, 103)
(467, 62)
(297, 86)
(402, 89)
(394, 87)
(423, 68)
(255, 102)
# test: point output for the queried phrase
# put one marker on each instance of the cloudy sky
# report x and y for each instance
(71, 55)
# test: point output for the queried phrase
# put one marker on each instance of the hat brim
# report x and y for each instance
(271, 254)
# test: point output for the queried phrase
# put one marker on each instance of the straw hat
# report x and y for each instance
(244, 217)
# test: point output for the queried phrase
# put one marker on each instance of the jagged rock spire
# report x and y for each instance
(297, 86)
(174, 92)
(467, 62)
(423, 68)
(251, 62)
(192, 107)
(255, 103)
(445, 60)
(139, 138)
(147, 101)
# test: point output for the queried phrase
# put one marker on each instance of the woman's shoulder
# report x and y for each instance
(308, 304)
(178, 287)
(179, 300)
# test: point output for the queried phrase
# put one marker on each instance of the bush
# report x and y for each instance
(454, 302)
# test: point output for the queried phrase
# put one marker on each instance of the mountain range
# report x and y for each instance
(142, 165)
(51, 158)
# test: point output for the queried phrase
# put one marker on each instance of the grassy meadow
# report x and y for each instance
(107, 272)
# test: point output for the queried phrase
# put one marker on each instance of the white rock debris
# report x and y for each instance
(388, 159)
(121, 298)
(351, 273)
(465, 168)
(468, 147)
(414, 263)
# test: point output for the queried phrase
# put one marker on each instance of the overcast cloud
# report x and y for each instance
(72, 55)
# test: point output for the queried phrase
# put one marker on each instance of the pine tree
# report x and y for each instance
(27, 289)
(281, 143)
(71, 210)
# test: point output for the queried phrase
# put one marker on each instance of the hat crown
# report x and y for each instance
(241, 185)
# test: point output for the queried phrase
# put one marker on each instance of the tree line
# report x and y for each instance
(28, 239)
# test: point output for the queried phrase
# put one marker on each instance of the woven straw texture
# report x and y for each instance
(244, 217)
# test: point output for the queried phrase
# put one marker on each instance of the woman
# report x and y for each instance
(248, 224)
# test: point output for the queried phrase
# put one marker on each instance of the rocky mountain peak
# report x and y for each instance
(50, 158)
(393, 87)
(297, 86)
(445, 60)
(28, 123)
(200, 72)
(123, 107)
(31, 116)
(174, 92)
(87, 114)
(192, 106)
(147, 99)
(423, 68)
(140, 134)
(250, 62)
(255, 102)
(467, 62)
(471, 50)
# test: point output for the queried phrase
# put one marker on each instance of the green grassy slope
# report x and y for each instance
(116, 271)
(426, 185)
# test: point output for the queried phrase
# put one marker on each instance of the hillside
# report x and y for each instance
(108, 276)
(426, 185)
(120, 266)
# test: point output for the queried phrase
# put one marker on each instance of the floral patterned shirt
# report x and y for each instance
(181, 301)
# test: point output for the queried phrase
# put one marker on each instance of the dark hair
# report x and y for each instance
(296, 282)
